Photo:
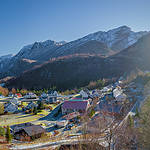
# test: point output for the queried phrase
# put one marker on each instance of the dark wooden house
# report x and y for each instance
(29, 133)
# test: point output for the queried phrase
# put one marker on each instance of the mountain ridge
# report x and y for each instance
(79, 70)
(104, 43)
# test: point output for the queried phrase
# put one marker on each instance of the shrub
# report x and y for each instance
(1, 109)
(2, 131)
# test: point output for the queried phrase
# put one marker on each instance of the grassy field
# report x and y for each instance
(1, 99)
(13, 119)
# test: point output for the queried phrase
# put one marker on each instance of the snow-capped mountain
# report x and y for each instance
(102, 42)
(6, 56)
(116, 39)
(78, 71)
(4, 60)
(37, 50)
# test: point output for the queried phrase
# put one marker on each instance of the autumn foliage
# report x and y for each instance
(13, 91)
(4, 91)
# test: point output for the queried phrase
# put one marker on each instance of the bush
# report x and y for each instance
(1, 109)
(91, 113)
(2, 131)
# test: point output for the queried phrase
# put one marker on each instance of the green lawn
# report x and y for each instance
(21, 118)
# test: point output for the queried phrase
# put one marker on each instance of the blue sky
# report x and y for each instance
(25, 21)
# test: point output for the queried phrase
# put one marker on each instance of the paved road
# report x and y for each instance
(58, 143)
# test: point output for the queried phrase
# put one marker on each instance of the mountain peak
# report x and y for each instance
(124, 27)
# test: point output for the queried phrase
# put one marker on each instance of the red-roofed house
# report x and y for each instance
(75, 106)
(18, 95)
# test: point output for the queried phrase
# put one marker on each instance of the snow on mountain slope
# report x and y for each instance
(38, 49)
(81, 70)
(6, 57)
(4, 61)
(104, 43)
(116, 39)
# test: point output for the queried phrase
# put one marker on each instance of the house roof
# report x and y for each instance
(18, 94)
(31, 104)
(77, 96)
(33, 130)
(75, 104)
(11, 104)
(51, 92)
(17, 127)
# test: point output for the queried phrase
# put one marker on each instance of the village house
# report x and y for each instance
(17, 127)
(11, 108)
(76, 96)
(44, 95)
(84, 93)
(15, 101)
(107, 89)
(70, 106)
(122, 97)
(119, 95)
(52, 96)
(18, 95)
(95, 93)
(31, 105)
(52, 93)
(29, 133)
(30, 96)
(117, 91)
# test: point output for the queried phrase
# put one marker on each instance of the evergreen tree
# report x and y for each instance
(137, 114)
(35, 111)
(8, 134)
(40, 105)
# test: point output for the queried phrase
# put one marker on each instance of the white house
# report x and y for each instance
(121, 97)
(84, 94)
(11, 107)
(52, 96)
(107, 88)
(117, 91)
(30, 96)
